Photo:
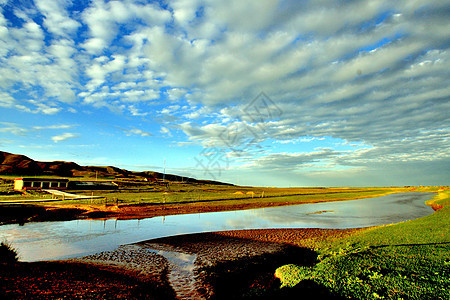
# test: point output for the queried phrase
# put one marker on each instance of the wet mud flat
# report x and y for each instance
(220, 265)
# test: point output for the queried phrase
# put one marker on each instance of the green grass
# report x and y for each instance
(409, 260)
(202, 194)
(130, 193)
(290, 275)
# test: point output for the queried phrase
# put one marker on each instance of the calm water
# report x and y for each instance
(56, 240)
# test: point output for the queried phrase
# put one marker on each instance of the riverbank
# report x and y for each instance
(407, 260)
(132, 272)
(132, 204)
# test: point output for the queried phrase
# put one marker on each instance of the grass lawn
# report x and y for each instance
(409, 260)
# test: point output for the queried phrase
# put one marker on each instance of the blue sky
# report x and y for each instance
(267, 93)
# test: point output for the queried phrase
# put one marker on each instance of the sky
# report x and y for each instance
(262, 93)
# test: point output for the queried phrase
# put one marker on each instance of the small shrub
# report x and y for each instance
(7, 253)
(290, 275)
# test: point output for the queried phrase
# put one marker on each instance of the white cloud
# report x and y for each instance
(296, 161)
(61, 126)
(6, 100)
(184, 11)
(373, 72)
(300, 140)
(63, 137)
(104, 19)
(136, 131)
(165, 131)
(136, 112)
(57, 20)
(176, 93)
(13, 128)
(44, 108)
(243, 15)
(95, 45)
(170, 109)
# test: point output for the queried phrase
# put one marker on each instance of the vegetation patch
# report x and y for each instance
(409, 260)
(7, 253)
(251, 277)
(291, 275)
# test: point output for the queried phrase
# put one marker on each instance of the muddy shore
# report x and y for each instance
(22, 213)
(205, 265)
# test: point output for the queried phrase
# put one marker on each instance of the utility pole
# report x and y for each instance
(164, 174)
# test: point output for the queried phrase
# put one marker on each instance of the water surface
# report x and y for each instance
(56, 240)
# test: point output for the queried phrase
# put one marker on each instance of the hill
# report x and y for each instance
(21, 165)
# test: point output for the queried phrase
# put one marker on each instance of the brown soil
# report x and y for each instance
(244, 259)
(259, 240)
(67, 280)
(55, 212)
(124, 212)
(127, 212)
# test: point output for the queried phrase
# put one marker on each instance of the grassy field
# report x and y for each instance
(409, 260)
(137, 192)
(217, 195)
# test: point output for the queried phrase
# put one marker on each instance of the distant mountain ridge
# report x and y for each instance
(21, 165)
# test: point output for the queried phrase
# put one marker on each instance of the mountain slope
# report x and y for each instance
(16, 164)
(21, 165)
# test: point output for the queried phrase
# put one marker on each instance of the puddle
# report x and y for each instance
(154, 259)
(181, 271)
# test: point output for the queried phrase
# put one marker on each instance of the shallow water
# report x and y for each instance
(181, 272)
(56, 240)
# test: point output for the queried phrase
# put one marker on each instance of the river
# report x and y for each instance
(57, 240)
